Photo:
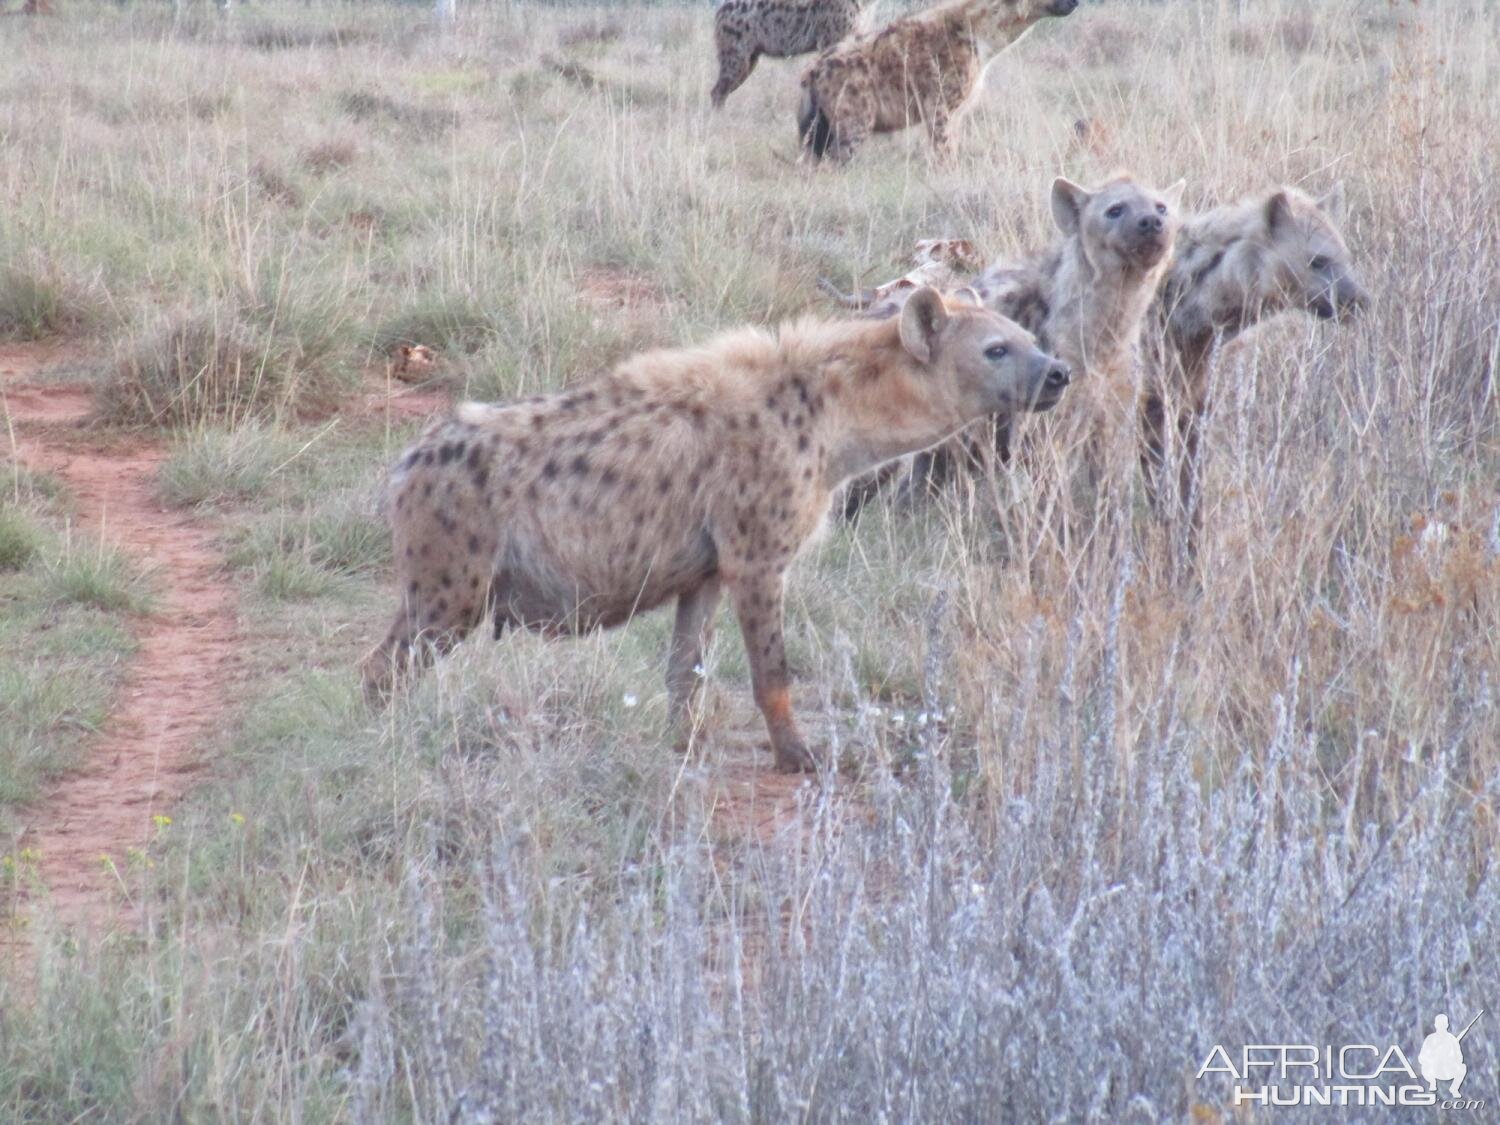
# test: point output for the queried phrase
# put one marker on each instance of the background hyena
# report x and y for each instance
(1085, 298)
(925, 67)
(1235, 266)
(684, 473)
(746, 29)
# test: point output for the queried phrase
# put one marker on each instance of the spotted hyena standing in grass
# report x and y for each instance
(746, 29)
(924, 68)
(1086, 298)
(684, 473)
(1235, 266)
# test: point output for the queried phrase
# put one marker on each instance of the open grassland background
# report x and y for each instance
(1116, 805)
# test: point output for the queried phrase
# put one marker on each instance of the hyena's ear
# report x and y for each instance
(1279, 212)
(1068, 202)
(1172, 196)
(1332, 203)
(922, 321)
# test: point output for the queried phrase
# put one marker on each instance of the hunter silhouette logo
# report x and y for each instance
(1442, 1058)
(1363, 1074)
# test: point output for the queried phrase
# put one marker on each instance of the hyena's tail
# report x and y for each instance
(813, 127)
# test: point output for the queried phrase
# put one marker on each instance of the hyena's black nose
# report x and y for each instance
(1058, 376)
(1150, 224)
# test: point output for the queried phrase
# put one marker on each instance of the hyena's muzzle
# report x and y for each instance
(1342, 299)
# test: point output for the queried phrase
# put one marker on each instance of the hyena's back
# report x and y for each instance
(544, 512)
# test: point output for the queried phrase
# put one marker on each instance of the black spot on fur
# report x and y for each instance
(473, 544)
(580, 464)
(549, 470)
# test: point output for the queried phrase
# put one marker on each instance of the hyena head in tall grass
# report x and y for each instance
(1309, 264)
(1124, 225)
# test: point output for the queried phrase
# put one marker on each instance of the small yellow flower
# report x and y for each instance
(162, 821)
(238, 818)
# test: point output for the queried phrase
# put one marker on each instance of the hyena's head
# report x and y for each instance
(1016, 15)
(981, 362)
(1309, 265)
(1122, 226)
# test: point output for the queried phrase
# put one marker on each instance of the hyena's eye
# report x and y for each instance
(1161, 208)
(996, 352)
(1115, 212)
(1318, 264)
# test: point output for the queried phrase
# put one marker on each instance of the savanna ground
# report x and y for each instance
(1103, 808)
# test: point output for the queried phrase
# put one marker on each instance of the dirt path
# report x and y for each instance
(171, 703)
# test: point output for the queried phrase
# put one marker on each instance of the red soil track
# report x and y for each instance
(170, 706)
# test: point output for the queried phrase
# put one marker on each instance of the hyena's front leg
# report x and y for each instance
(694, 630)
(737, 58)
(758, 603)
(940, 126)
(850, 125)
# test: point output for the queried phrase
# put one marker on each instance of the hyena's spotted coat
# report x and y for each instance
(923, 68)
(684, 473)
(746, 29)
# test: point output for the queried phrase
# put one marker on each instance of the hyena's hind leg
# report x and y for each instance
(738, 55)
(690, 637)
(435, 614)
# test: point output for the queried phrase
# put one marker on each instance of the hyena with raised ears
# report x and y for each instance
(685, 473)
(923, 68)
(1088, 294)
(1085, 299)
(1234, 267)
(746, 29)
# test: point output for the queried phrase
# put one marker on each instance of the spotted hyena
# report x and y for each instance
(923, 68)
(746, 29)
(1235, 266)
(683, 473)
(1085, 299)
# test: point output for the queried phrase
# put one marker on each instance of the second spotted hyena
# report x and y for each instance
(1085, 299)
(683, 474)
(923, 68)
(1234, 267)
(780, 29)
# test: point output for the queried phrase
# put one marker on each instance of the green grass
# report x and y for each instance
(58, 666)
(19, 538)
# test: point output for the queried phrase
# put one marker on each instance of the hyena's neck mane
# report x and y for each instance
(867, 401)
(1219, 282)
(991, 26)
